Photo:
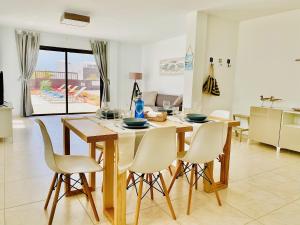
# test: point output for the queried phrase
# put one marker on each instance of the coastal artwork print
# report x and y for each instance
(172, 66)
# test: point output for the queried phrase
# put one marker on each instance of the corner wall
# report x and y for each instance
(268, 47)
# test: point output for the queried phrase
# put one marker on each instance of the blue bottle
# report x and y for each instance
(139, 107)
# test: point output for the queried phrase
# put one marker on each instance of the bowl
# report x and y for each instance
(110, 114)
(196, 116)
(169, 111)
(135, 121)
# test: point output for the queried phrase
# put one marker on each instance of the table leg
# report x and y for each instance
(108, 180)
(92, 176)
(66, 132)
(180, 144)
(119, 194)
(224, 177)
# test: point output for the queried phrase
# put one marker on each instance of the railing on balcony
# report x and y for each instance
(54, 75)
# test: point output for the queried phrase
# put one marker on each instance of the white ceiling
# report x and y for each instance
(130, 20)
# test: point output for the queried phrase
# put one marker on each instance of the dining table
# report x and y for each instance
(114, 180)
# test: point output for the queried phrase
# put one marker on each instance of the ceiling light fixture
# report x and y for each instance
(74, 19)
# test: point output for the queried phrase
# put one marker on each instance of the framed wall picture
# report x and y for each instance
(172, 66)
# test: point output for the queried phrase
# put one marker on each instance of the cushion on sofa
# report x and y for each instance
(149, 98)
(161, 98)
(178, 101)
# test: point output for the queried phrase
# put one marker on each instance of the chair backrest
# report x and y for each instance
(156, 151)
(221, 114)
(49, 154)
(207, 142)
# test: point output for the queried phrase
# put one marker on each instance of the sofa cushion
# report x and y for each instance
(161, 98)
(149, 98)
(178, 101)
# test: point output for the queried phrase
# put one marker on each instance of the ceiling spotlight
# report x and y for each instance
(74, 19)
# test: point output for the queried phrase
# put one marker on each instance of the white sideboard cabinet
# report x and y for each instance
(277, 127)
(6, 129)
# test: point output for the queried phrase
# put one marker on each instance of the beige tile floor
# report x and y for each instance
(264, 187)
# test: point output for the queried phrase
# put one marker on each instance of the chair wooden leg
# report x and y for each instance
(170, 170)
(87, 189)
(191, 189)
(167, 195)
(55, 200)
(214, 188)
(241, 136)
(51, 190)
(151, 186)
(83, 188)
(177, 171)
(100, 158)
(129, 178)
(196, 176)
(139, 199)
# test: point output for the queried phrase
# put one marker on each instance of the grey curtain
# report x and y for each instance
(28, 44)
(99, 49)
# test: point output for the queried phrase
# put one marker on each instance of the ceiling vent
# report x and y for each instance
(75, 19)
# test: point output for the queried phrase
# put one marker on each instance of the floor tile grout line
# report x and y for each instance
(24, 204)
(292, 202)
(77, 198)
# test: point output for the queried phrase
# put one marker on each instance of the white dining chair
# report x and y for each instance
(206, 145)
(63, 165)
(224, 114)
(156, 151)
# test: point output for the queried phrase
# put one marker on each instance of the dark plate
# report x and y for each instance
(135, 121)
(196, 121)
(196, 116)
(145, 126)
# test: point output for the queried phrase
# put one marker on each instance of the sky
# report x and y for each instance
(47, 60)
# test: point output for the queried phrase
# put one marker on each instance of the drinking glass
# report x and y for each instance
(175, 110)
(166, 104)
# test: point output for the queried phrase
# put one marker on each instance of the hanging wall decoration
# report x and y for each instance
(189, 59)
(210, 86)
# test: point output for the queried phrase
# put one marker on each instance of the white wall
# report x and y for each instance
(219, 40)
(122, 58)
(267, 51)
(222, 42)
(152, 54)
(130, 60)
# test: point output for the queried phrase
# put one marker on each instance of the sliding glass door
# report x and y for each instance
(83, 75)
(65, 81)
(48, 83)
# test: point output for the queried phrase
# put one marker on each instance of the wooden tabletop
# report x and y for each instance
(90, 131)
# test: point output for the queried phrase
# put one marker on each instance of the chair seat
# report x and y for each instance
(69, 164)
(183, 157)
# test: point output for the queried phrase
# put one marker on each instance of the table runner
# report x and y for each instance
(128, 140)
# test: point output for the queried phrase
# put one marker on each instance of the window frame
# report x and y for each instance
(66, 51)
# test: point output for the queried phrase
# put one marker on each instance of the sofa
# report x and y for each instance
(154, 99)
